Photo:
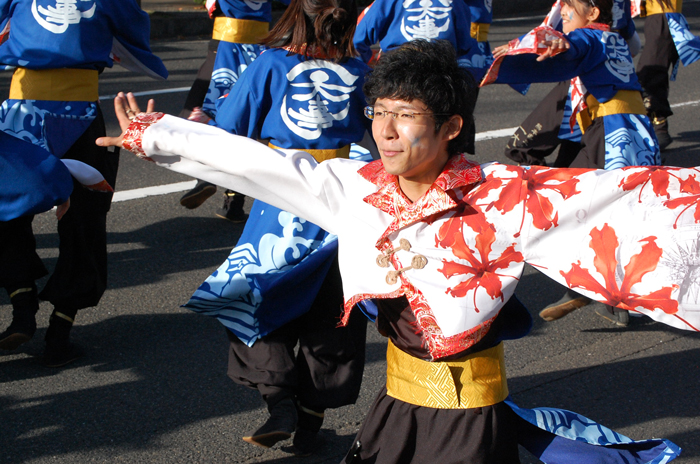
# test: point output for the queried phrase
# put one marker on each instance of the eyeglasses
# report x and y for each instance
(401, 116)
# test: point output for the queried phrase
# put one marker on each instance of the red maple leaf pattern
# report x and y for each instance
(482, 271)
(534, 181)
(604, 242)
(691, 187)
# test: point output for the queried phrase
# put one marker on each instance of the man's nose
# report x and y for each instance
(387, 127)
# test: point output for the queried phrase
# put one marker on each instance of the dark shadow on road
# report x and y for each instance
(174, 375)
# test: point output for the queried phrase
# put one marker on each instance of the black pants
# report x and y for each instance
(80, 276)
(538, 136)
(326, 371)
(21, 265)
(200, 86)
(658, 57)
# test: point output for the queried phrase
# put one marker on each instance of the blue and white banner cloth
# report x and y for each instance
(271, 277)
(564, 437)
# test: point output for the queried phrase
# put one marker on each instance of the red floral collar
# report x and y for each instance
(458, 172)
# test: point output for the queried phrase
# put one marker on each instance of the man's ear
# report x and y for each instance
(453, 127)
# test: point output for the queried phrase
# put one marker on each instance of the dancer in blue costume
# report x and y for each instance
(548, 127)
(394, 22)
(437, 244)
(481, 19)
(281, 282)
(606, 95)
(57, 50)
(239, 26)
(668, 40)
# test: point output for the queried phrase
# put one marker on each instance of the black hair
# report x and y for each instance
(427, 71)
(312, 26)
(584, 6)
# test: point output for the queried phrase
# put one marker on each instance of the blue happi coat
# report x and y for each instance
(687, 44)
(602, 61)
(394, 22)
(232, 58)
(54, 34)
(273, 274)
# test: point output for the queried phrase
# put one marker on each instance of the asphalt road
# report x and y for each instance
(153, 387)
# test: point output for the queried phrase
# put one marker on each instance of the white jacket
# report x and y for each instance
(628, 237)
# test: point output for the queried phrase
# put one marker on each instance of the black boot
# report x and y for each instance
(59, 350)
(571, 301)
(661, 131)
(306, 439)
(619, 317)
(279, 426)
(233, 207)
(198, 195)
(25, 304)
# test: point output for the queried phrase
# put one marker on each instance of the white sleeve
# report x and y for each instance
(290, 180)
(628, 237)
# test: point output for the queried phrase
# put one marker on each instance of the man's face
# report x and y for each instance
(409, 147)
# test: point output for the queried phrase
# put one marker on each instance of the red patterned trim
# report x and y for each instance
(133, 136)
(540, 34)
(438, 345)
(441, 196)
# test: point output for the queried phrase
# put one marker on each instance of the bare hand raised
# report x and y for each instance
(125, 108)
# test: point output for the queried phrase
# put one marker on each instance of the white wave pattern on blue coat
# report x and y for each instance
(630, 142)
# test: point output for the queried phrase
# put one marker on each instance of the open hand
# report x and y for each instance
(500, 51)
(553, 47)
(125, 108)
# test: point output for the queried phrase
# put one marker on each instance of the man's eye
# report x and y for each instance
(379, 114)
(406, 116)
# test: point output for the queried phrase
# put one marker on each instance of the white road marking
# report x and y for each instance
(134, 194)
(150, 92)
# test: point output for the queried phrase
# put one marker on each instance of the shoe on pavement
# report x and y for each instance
(619, 317)
(58, 353)
(570, 302)
(306, 440)
(20, 331)
(198, 195)
(279, 426)
(10, 340)
(233, 207)
(661, 131)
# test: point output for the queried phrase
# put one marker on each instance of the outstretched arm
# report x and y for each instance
(288, 179)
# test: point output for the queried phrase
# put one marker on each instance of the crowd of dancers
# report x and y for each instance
(366, 201)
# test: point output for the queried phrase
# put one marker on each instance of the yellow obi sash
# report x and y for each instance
(474, 381)
(64, 84)
(650, 7)
(624, 102)
(321, 155)
(245, 31)
(480, 31)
